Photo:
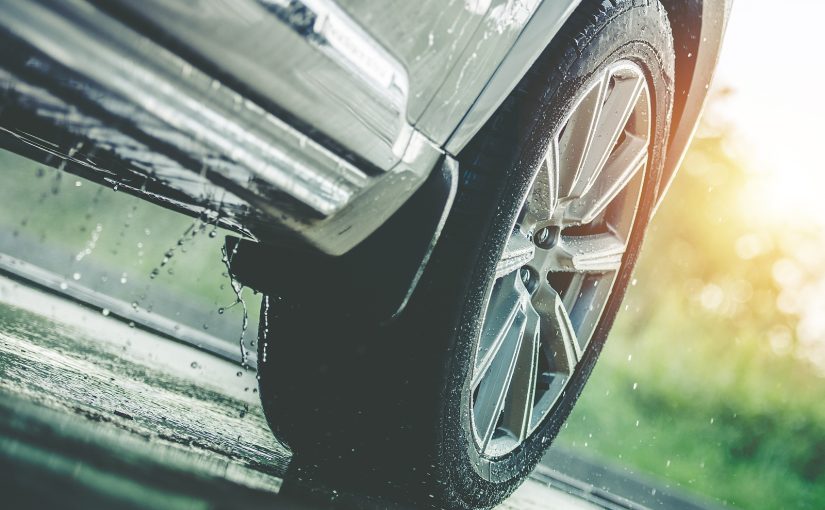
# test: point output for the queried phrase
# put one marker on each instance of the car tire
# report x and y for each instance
(389, 409)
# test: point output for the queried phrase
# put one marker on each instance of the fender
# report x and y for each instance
(375, 279)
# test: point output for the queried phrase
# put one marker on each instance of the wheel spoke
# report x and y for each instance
(562, 346)
(586, 310)
(558, 354)
(544, 194)
(520, 400)
(575, 140)
(620, 168)
(506, 304)
(494, 383)
(616, 111)
(518, 251)
(586, 253)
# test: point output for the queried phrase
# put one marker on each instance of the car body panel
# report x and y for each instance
(308, 121)
(538, 31)
(99, 99)
(480, 64)
(307, 59)
(427, 36)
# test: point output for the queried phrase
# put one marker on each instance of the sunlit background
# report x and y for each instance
(713, 382)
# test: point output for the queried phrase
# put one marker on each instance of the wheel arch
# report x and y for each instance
(698, 28)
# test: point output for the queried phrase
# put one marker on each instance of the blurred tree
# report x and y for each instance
(713, 376)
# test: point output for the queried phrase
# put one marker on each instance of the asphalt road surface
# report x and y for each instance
(98, 413)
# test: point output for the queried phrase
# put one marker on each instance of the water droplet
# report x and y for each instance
(76, 276)
(239, 374)
(194, 364)
(220, 310)
(635, 385)
(105, 312)
(64, 286)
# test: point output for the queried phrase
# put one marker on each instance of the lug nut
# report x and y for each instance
(525, 276)
(542, 236)
(546, 237)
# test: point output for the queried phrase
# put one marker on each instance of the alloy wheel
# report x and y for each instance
(559, 265)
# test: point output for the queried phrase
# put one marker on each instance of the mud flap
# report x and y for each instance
(374, 280)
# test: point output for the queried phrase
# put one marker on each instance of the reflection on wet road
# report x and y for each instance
(106, 413)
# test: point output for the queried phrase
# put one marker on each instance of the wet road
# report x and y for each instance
(94, 411)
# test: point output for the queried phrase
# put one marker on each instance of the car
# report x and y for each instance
(441, 202)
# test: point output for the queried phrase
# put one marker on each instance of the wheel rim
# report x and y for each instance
(559, 265)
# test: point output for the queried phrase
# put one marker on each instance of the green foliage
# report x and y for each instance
(113, 242)
(703, 382)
